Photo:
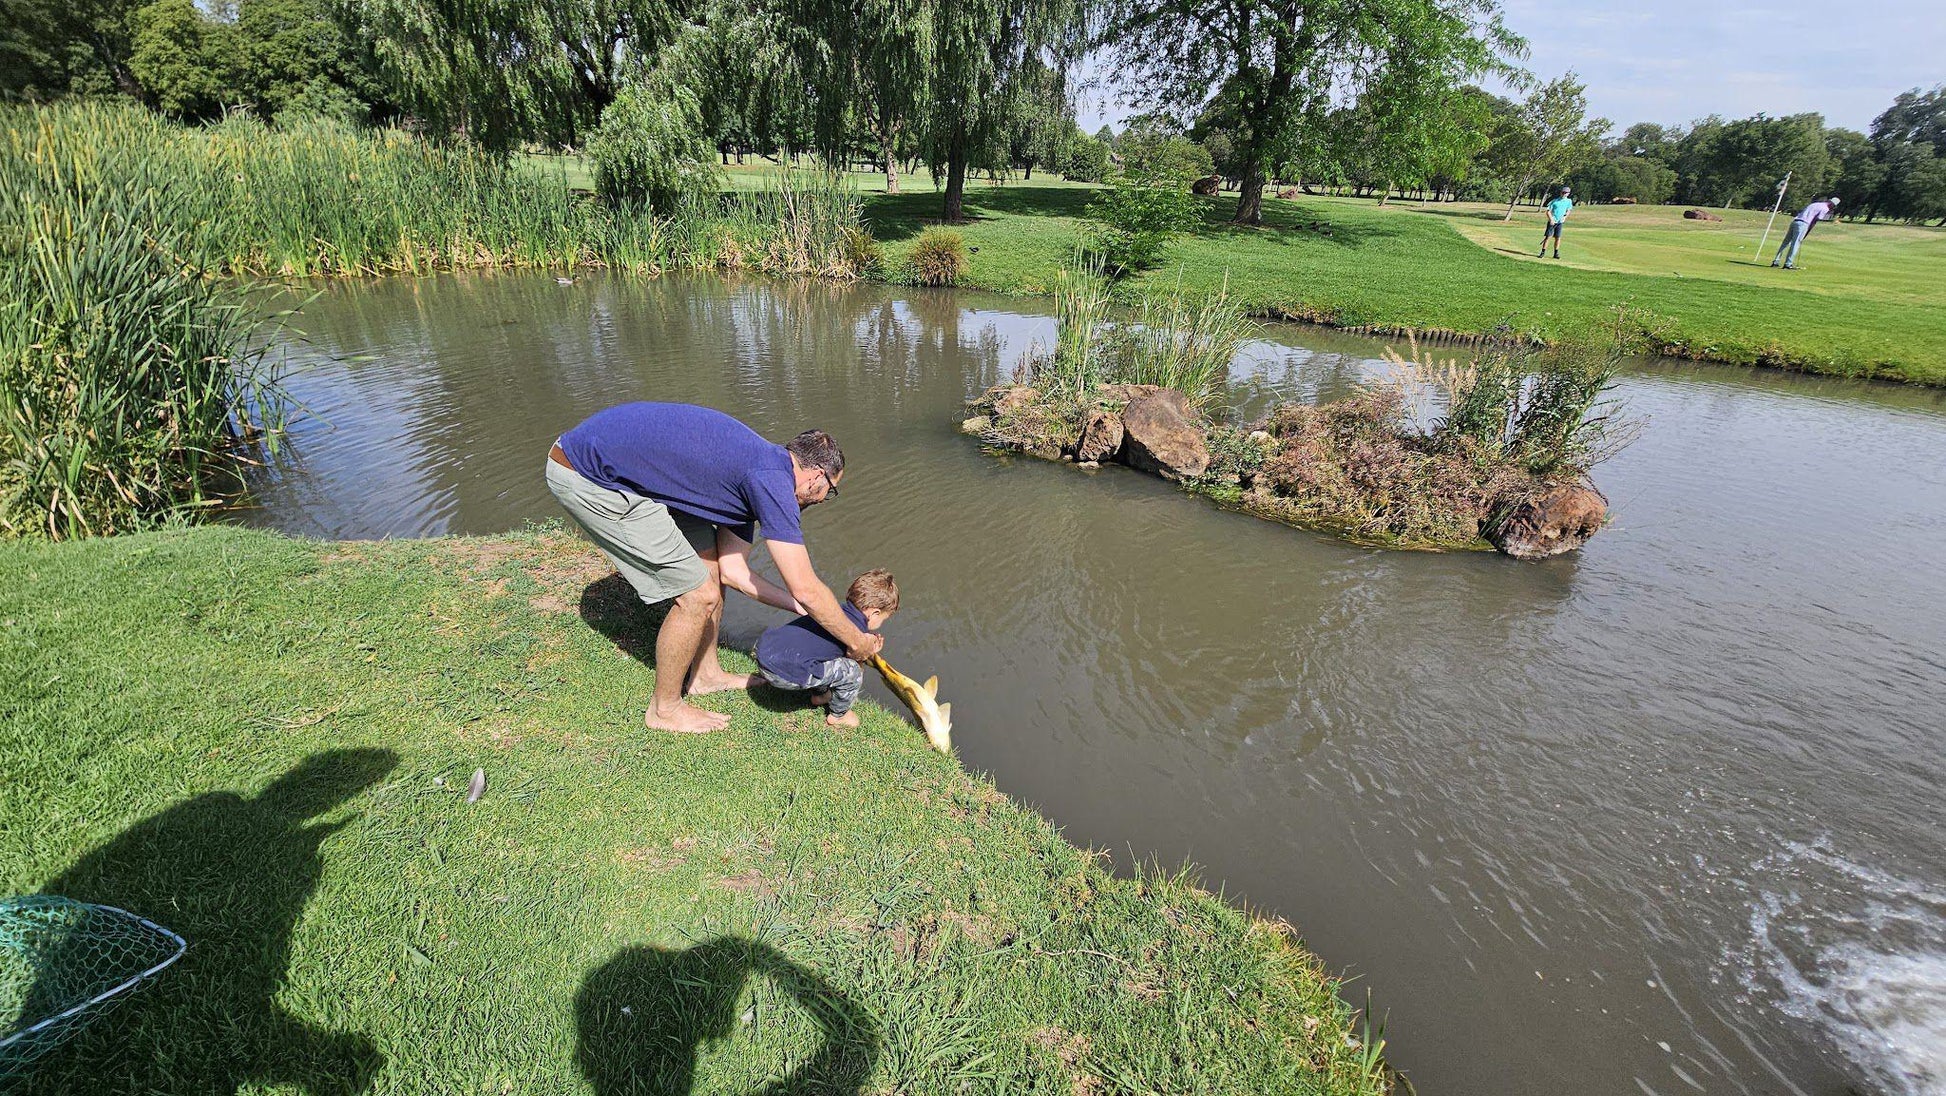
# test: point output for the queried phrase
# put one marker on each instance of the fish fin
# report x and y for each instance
(932, 686)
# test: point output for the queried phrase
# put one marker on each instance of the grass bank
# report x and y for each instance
(1866, 303)
(263, 743)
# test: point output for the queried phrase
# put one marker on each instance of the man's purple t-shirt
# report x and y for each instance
(693, 459)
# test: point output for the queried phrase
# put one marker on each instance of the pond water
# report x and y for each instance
(1663, 816)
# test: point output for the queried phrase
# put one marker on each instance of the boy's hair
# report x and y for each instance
(874, 590)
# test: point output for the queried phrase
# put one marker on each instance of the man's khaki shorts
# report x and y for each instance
(654, 547)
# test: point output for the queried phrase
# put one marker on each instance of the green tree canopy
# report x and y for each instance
(51, 48)
(1278, 66)
(1546, 136)
(1914, 118)
(184, 61)
(292, 54)
(497, 70)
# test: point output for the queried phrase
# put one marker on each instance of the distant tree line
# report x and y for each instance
(1895, 172)
(1372, 97)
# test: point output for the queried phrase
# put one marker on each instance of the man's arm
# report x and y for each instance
(733, 563)
(794, 563)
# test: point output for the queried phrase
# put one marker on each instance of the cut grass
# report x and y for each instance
(264, 743)
(1856, 309)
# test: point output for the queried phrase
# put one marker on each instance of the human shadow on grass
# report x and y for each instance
(644, 1016)
(611, 606)
(1436, 210)
(231, 874)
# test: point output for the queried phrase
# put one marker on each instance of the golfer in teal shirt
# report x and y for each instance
(1557, 215)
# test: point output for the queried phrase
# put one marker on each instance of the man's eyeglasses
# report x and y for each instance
(831, 487)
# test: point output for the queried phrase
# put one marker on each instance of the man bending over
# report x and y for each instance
(674, 496)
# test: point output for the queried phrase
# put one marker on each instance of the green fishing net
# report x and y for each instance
(63, 963)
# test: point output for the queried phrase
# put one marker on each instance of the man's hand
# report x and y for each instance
(820, 604)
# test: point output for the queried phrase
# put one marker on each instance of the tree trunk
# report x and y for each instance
(956, 176)
(891, 170)
(1250, 199)
(1511, 202)
(1030, 169)
(1385, 194)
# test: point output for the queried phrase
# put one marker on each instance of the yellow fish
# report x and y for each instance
(935, 719)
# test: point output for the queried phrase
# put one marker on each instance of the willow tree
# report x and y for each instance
(498, 70)
(957, 76)
(1281, 64)
(994, 61)
(746, 72)
(870, 66)
(1417, 118)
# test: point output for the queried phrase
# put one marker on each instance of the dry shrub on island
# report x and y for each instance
(1444, 451)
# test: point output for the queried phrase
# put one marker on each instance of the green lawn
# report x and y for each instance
(1866, 302)
(1404, 266)
(264, 744)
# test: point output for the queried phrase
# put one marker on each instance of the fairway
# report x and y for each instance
(1880, 262)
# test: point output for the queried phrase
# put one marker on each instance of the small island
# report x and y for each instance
(1503, 463)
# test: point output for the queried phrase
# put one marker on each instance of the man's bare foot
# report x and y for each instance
(684, 719)
(849, 719)
(727, 682)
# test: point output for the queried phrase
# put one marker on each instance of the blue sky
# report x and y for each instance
(1673, 61)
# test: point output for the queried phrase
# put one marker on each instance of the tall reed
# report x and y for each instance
(1175, 340)
(326, 199)
(127, 374)
(1182, 341)
(1080, 308)
(126, 377)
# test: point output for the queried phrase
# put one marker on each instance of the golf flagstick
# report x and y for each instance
(1782, 185)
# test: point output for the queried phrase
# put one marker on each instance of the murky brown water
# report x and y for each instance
(1662, 817)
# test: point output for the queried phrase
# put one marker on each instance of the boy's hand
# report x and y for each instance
(868, 646)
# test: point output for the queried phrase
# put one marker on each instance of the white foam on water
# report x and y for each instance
(1860, 956)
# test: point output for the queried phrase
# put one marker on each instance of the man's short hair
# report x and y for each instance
(815, 449)
(874, 590)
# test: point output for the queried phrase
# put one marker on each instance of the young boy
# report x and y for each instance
(801, 656)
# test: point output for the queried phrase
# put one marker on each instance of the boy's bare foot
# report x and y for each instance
(727, 682)
(684, 719)
(849, 719)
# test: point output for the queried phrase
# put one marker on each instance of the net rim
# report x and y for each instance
(124, 986)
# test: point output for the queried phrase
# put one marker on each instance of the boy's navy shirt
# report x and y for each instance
(793, 651)
(693, 459)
